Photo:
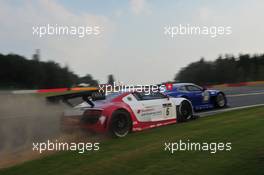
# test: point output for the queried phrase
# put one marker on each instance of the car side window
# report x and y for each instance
(193, 88)
(149, 95)
(137, 95)
(182, 89)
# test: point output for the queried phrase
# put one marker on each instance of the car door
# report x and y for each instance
(154, 106)
(197, 94)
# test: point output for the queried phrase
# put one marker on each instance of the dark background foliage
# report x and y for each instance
(17, 72)
(229, 69)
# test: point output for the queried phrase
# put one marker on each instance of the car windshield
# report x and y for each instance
(112, 95)
(193, 88)
(149, 95)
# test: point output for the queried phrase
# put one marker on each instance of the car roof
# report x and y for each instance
(182, 84)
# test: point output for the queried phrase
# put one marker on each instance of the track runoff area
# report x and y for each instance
(239, 96)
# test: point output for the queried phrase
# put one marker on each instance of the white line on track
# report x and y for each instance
(204, 114)
(240, 95)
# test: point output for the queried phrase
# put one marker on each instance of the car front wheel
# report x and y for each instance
(185, 111)
(220, 100)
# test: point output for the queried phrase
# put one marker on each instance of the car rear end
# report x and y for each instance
(91, 119)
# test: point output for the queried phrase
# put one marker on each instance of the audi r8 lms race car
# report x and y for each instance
(122, 112)
(201, 98)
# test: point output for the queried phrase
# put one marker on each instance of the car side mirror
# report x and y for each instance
(204, 88)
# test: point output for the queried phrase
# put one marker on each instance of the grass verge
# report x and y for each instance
(143, 152)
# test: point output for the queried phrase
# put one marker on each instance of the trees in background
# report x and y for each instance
(16, 72)
(88, 79)
(111, 79)
(223, 70)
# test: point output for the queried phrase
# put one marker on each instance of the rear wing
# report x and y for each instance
(87, 96)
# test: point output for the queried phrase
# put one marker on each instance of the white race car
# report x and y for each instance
(122, 112)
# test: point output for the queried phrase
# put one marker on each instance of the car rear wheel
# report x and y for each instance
(220, 100)
(120, 124)
(184, 111)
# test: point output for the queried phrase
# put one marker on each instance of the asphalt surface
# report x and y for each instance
(239, 98)
(245, 95)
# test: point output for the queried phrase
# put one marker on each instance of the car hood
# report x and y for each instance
(212, 92)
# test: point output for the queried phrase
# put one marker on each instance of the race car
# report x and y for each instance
(201, 98)
(122, 112)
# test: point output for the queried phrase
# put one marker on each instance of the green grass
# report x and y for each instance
(143, 152)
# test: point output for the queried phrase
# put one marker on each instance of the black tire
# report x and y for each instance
(185, 111)
(220, 100)
(120, 124)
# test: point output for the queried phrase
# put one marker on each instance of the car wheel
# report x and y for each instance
(220, 100)
(184, 111)
(120, 124)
